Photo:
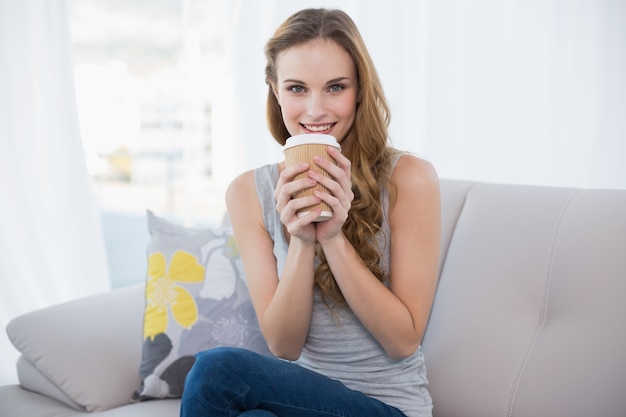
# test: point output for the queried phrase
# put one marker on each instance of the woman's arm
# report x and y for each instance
(283, 307)
(397, 316)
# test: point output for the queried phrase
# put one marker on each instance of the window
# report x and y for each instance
(145, 75)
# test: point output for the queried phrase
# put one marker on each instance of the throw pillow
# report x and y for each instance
(196, 299)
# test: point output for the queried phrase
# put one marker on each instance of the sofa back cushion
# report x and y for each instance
(529, 316)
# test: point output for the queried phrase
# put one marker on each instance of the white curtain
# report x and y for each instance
(51, 246)
(521, 91)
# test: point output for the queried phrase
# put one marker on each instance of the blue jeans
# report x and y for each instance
(236, 382)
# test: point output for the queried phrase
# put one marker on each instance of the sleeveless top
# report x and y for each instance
(343, 349)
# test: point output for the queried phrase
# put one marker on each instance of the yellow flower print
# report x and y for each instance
(162, 292)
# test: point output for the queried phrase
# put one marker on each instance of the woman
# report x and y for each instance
(343, 303)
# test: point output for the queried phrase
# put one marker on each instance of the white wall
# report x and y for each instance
(505, 91)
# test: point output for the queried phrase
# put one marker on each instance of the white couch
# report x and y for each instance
(529, 318)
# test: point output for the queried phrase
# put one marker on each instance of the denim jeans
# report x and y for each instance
(236, 382)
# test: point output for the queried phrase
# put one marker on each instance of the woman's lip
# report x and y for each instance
(317, 130)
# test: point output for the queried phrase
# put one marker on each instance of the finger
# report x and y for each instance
(340, 160)
(296, 223)
(284, 189)
(285, 194)
(288, 173)
(292, 207)
(340, 187)
(340, 209)
(340, 168)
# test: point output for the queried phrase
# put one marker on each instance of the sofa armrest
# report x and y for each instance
(89, 349)
(33, 380)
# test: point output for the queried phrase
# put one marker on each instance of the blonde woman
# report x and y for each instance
(343, 304)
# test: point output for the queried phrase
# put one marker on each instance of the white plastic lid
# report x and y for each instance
(311, 138)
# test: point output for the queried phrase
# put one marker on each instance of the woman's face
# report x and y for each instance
(316, 88)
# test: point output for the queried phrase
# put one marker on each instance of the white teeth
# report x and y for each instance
(317, 128)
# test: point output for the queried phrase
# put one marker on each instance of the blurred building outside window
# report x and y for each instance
(145, 77)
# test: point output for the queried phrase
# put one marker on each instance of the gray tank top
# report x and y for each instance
(344, 349)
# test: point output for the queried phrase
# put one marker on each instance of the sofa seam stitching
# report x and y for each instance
(519, 371)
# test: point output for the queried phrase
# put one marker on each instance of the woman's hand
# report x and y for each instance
(339, 197)
(299, 227)
(340, 194)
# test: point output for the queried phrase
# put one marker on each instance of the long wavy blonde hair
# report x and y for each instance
(366, 144)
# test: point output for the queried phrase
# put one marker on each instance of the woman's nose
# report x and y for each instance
(315, 106)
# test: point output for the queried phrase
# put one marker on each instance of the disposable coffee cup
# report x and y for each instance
(302, 148)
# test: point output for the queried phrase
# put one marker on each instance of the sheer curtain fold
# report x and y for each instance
(51, 246)
(504, 91)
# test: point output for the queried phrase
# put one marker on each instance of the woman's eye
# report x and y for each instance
(296, 89)
(336, 88)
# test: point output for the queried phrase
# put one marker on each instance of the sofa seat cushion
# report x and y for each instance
(18, 402)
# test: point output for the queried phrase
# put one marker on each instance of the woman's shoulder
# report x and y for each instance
(246, 182)
(252, 190)
(241, 183)
(411, 170)
(242, 202)
(415, 192)
(240, 191)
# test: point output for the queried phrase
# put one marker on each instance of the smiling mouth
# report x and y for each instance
(318, 128)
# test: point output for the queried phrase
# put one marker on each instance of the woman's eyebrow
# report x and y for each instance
(293, 80)
(333, 81)
(336, 80)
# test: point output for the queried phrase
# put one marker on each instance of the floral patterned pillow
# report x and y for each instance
(196, 299)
